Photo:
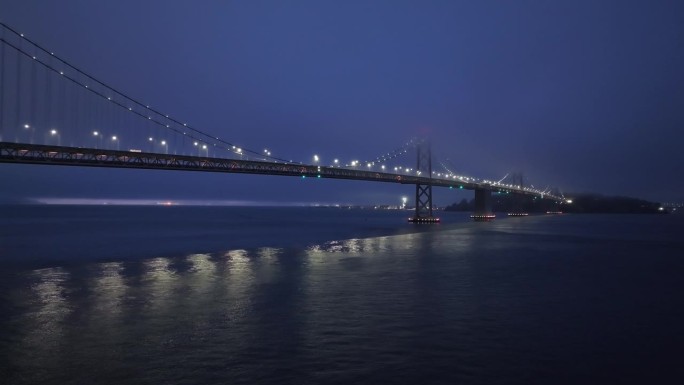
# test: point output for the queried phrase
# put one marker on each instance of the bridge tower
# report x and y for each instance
(423, 212)
(518, 199)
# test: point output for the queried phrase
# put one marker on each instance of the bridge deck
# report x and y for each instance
(90, 157)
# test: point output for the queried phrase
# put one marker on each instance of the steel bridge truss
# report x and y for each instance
(89, 157)
(424, 190)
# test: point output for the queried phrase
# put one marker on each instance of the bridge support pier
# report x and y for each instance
(483, 205)
(424, 191)
(555, 208)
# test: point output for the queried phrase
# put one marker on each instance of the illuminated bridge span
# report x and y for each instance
(49, 108)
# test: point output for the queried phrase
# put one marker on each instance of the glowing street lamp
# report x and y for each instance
(98, 138)
(54, 133)
(31, 131)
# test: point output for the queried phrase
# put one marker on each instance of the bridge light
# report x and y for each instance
(204, 147)
(114, 137)
(163, 142)
(150, 139)
(568, 201)
(382, 167)
(194, 144)
(315, 158)
(53, 132)
(95, 133)
(26, 126)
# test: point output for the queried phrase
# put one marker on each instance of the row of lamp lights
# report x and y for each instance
(52, 133)
(369, 165)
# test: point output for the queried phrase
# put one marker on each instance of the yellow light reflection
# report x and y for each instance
(109, 289)
(159, 283)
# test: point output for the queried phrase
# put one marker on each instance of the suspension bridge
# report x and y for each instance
(54, 113)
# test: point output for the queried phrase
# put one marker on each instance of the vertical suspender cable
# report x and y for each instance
(2, 86)
(49, 119)
(17, 107)
(33, 90)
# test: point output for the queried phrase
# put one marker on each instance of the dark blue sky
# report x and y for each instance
(583, 95)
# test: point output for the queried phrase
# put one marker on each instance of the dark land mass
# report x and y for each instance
(581, 203)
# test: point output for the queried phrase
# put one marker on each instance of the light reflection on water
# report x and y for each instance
(109, 289)
(402, 308)
(44, 324)
(158, 284)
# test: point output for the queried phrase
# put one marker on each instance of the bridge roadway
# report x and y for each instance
(91, 157)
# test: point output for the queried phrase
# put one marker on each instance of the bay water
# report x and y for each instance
(262, 295)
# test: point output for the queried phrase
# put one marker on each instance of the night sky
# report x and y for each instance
(587, 96)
